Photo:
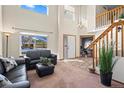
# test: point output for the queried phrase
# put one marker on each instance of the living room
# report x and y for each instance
(31, 36)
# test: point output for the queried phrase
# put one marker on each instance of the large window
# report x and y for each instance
(29, 42)
(43, 9)
(69, 12)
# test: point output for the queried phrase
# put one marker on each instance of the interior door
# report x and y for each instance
(65, 47)
(71, 46)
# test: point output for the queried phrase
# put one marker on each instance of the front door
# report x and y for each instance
(69, 46)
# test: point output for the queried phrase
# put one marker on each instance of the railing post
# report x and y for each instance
(122, 37)
(116, 40)
(111, 37)
(111, 17)
(92, 69)
(96, 55)
(93, 56)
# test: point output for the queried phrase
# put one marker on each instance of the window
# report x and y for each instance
(69, 12)
(29, 42)
(43, 9)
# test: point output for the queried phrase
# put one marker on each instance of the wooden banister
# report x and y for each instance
(108, 17)
(106, 31)
(118, 27)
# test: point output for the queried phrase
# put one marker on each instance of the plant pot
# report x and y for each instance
(106, 78)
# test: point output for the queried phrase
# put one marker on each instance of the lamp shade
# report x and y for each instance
(7, 33)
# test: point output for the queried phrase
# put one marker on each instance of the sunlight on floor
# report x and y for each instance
(71, 60)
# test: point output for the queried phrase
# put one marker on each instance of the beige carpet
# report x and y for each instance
(68, 75)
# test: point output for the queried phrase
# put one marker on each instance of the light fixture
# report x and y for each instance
(7, 33)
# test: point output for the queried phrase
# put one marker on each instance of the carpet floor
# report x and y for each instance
(68, 75)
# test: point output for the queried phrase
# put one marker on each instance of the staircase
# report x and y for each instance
(114, 34)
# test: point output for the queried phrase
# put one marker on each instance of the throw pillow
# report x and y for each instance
(9, 63)
(4, 81)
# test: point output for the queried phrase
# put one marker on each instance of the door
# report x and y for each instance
(69, 46)
(65, 47)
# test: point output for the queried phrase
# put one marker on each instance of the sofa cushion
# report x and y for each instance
(45, 53)
(14, 74)
(9, 63)
(19, 79)
(34, 54)
(4, 81)
(35, 61)
(2, 69)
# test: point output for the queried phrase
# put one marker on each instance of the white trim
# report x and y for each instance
(24, 29)
(28, 33)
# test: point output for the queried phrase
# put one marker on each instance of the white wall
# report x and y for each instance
(91, 17)
(66, 26)
(118, 70)
(14, 16)
(1, 30)
(69, 27)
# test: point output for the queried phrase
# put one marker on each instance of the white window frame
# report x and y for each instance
(70, 9)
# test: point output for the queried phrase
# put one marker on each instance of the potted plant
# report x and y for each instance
(45, 61)
(106, 65)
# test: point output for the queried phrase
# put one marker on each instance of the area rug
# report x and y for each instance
(83, 63)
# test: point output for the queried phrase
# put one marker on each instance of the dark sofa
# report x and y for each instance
(33, 57)
(18, 75)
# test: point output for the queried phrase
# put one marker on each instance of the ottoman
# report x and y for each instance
(43, 70)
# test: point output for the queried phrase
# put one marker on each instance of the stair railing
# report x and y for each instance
(108, 17)
(113, 34)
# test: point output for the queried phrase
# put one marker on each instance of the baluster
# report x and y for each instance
(112, 17)
(107, 40)
(103, 43)
(119, 12)
(99, 45)
(116, 14)
(107, 19)
(104, 20)
(111, 38)
(122, 42)
(96, 21)
(93, 57)
(101, 20)
(96, 55)
(116, 40)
